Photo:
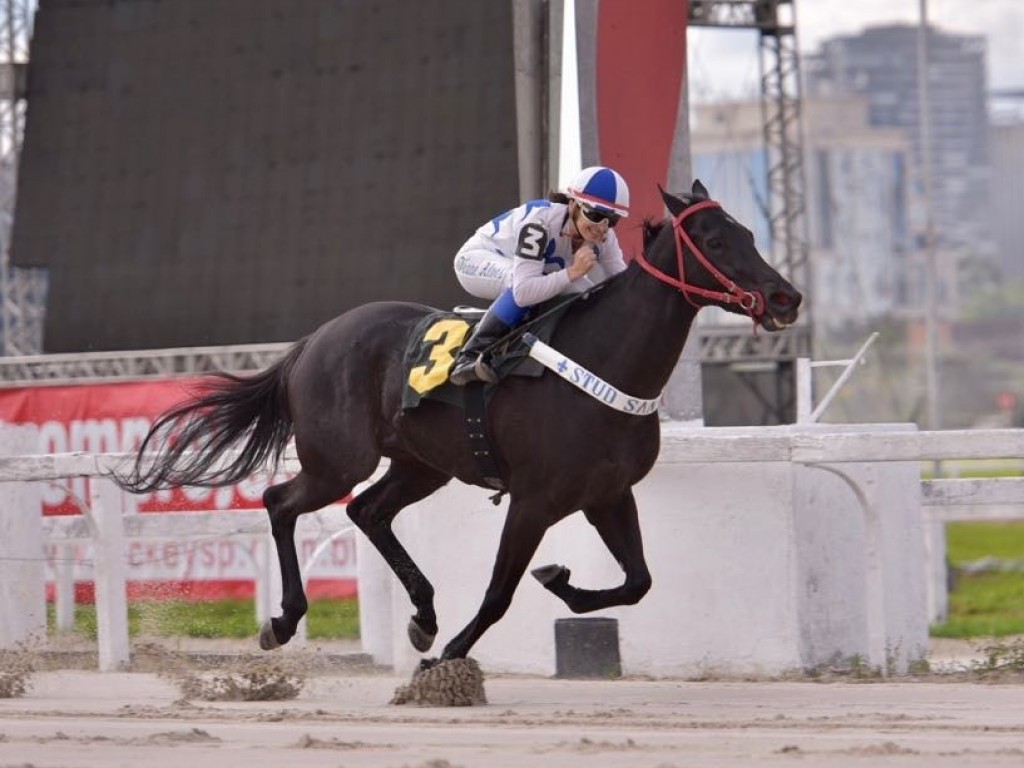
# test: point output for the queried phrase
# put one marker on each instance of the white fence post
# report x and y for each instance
(64, 587)
(22, 556)
(376, 621)
(265, 566)
(110, 574)
(804, 390)
(938, 572)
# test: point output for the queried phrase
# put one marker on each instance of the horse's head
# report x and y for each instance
(717, 263)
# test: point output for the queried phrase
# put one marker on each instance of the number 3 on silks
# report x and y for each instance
(446, 336)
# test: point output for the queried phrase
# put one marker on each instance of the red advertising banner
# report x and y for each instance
(114, 418)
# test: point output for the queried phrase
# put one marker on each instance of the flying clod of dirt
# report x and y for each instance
(453, 683)
(16, 668)
(244, 678)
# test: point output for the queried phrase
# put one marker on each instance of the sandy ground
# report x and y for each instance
(89, 719)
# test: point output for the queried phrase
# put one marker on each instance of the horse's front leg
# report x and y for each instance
(405, 483)
(524, 528)
(618, 524)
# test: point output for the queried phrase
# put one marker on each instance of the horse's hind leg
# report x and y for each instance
(406, 481)
(284, 503)
(619, 527)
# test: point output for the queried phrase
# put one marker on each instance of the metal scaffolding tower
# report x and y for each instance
(783, 139)
(22, 291)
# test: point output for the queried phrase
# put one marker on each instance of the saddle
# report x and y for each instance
(429, 357)
(438, 337)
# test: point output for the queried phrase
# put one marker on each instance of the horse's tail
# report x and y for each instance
(186, 445)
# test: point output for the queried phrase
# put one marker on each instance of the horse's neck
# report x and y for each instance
(636, 333)
(657, 331)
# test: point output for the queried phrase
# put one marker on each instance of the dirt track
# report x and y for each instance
(78, 718)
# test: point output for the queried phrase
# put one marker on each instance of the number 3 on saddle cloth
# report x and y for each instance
(430, 354)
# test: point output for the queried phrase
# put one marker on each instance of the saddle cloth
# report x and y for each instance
(437, 339)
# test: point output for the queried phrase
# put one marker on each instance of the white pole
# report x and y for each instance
(266, 562)
(64, 587)
(110, 574)
(931, 269)
(22, 576)
(843, 378)
(804, 390)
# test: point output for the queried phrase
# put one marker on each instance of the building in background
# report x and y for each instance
(857, 198)
(1007, 142)
(881, 65)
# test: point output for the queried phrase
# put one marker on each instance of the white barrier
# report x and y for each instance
(22, 588)
(761, 564)
(772, 549)
(108, 522)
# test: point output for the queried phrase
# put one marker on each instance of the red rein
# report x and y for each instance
(751, 302)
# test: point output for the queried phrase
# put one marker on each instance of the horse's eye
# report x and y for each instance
(715, 243)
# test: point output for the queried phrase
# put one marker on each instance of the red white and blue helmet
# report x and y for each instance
(601, 188)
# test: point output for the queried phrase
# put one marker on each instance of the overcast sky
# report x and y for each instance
(723, 63)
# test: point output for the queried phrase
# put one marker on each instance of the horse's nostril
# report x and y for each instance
(781, 300)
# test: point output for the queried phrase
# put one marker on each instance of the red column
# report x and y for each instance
(640, 69)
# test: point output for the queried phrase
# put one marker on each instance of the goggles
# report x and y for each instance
(596, 215)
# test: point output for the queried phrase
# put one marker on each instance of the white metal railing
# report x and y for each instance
(104, 525)
(941, 499)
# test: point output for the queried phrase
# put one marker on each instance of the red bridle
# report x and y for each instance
(751, 302)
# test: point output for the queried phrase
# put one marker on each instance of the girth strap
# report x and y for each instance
(476, 430)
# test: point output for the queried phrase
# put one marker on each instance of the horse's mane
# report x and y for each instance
(653, 228)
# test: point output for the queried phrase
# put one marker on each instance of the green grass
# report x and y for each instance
(984, 604)
(327, 619)
(967, 542)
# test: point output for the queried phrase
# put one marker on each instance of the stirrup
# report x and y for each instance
(464, 373)
(484, 372)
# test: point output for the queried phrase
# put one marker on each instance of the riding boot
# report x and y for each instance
(470, 363)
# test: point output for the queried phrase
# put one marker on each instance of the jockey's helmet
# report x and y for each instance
(602, 188)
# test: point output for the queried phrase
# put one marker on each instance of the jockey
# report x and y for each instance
(543, 248)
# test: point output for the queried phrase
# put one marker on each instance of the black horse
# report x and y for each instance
(339, 393)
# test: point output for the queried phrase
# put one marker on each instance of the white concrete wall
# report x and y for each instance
(763, 562)
(760, 567)
(22, 580)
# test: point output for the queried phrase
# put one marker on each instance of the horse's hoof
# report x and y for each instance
(421, 639)
(550, 575)
(426, 664)
(268, 640)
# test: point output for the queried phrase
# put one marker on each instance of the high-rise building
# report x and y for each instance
(1007, 195)
(856, 199)
(882, 64)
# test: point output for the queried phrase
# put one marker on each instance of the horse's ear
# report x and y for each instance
(673, 203)
(700, 192)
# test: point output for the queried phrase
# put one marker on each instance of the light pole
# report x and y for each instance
(931, 269)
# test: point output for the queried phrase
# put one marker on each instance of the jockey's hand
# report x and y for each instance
(582, 261)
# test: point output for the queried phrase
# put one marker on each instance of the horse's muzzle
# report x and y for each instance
(782, 307)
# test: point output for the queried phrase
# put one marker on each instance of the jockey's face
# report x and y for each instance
(591, 231)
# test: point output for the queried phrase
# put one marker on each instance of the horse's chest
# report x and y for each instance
(588, 451)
